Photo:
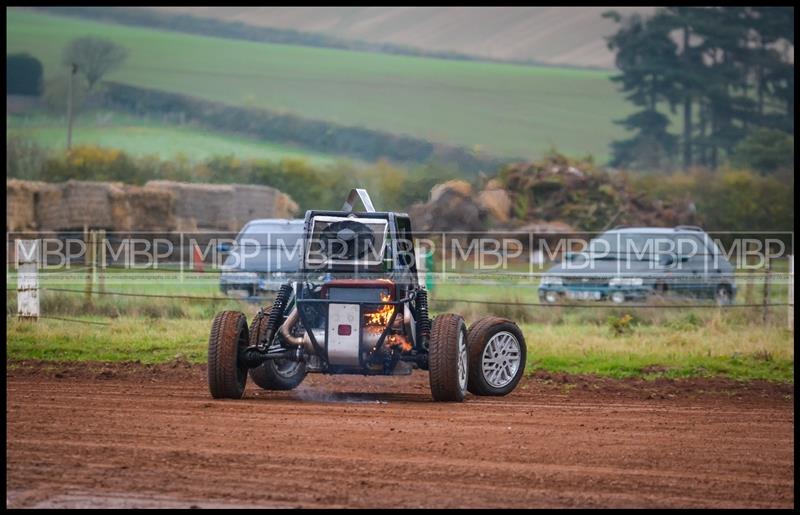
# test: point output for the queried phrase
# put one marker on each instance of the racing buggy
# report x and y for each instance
(356, 306)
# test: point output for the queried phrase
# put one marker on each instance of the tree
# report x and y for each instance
(23, 75)
(56, 90)
(652, 148)
(765, 150)
(647, 58)
(730, 67)
(93, 57)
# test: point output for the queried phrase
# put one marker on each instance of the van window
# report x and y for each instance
(269, 247)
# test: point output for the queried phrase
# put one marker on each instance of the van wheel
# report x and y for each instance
(723, 295)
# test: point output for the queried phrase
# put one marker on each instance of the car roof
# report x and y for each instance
(277, 221)
(653, 230)
(275, 224)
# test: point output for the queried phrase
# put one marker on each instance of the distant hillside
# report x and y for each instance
(554, 35)
(493, 109)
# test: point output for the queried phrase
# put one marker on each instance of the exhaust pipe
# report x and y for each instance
(298, 341)
(287, 326)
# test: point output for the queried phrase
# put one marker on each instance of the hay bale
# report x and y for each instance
(75, 204)
(448, 210)
(21, 204)
(495, 200)
(145, 209)
(251, 202)
(201, 206)
(463, 188)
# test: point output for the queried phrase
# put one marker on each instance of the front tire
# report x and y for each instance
(281, 374)
(226, 377)
(447, 358)
(497, 354)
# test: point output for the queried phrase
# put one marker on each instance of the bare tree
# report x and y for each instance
(93, 57)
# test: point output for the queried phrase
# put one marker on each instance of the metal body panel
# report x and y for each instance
(344, 349)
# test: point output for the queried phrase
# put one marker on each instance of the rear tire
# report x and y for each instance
(274, 374)
(447, 358)
(226, 377)
(497, 355)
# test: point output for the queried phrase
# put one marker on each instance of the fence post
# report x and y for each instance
(89, 262)
(101, 242)
(27, 252)
(749, 279)
(767, 274)
(791, 293)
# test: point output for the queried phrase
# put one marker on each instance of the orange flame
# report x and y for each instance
(399, 341)
(382, 316)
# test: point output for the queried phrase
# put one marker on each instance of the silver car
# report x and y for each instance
(265, 254)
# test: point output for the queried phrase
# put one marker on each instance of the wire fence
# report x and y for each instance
(764, 305)
(76, 320)
(626, 305)
(440, 300)
(607, 306)
(153, 295)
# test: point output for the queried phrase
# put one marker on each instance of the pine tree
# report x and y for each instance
(731, 67)
(646, 57)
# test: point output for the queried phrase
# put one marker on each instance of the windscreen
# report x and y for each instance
(648, 246)
(346, 241)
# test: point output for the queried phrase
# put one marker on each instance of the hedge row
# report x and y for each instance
(321, 136)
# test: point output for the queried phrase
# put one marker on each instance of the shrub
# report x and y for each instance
(23, 75)
(621, 326)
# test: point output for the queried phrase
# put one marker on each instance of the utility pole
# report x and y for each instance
(72, 72)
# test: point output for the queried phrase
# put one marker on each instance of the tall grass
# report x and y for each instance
(709, 348)
(113, 307)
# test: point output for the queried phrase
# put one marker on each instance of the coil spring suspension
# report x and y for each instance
(275, 315)
(423, 321)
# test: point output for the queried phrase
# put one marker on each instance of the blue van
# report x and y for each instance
(633, 263)
(265, 254)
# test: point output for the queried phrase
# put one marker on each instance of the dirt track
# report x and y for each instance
(133, 436)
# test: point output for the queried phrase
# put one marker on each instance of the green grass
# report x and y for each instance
(128, 339)
(498, 108)
(737, 351)
(140, 137)
(717, 347)
(684, 342)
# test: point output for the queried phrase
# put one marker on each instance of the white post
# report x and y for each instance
(27, 279)
(419, 257)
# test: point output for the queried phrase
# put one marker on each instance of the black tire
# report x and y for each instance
(723, 294)
(226, 377)
(274, 374)
(505, 332)
(448, 333)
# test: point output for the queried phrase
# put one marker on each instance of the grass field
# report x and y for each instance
(742, 352)
(496, 108)
(683, 342)
(139, 137)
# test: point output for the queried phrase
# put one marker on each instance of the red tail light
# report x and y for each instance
(345, 330)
